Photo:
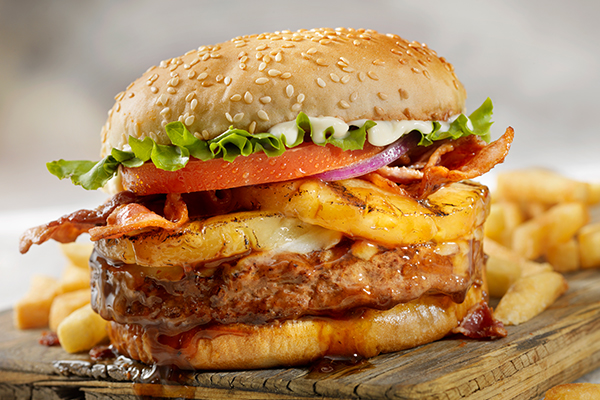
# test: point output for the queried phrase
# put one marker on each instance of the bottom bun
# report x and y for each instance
(296, 342)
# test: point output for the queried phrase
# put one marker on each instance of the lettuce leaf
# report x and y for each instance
(235, 143)
(480, 121)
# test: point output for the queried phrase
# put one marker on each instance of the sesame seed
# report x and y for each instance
(227, 80)
(334, 77)
(455, 83)
(261, 47)
(344, 104)
(259, 55)
(415, 70)
(194, 104)
(362, 76)
(119, 96)
(238, 117)
(202, 76)
(149, 83)
(190, 96)
(321, 82)
(354, 96)
(252, 127)
(274, 72)
(261, 81)
(266, 59)
(300, 98)
(174, 74)
(153, 89)
(286, 75)
(356, 42)
(244, 59)
(345, 79)
(205, 134)
(322, 62)
(305, 56)
(378, 110)
(189, 120)
(265, 99)
(171, 90)
(345, 60)
(402, 61)
(297, 107)
(236, 97)
(118, 107)
(382, 96)
(240, 45)
(219, 78)
(206, 84)
(228, 116)
(205, 57)
(213, 55)
(396, 51)
(165, 111)
(312, 50)
(248, 97)
(403, 94)
(289, 90)
(242, 66)
(262, 114)
(423, 63)
(373, 75)
(262, 66)
(342, 64)
(153, 78)
(191, 74)
(278, 57)
(379, 61)
(427, 74)
(325, 42)
(163, 100)
(288, 45)
(242, 54)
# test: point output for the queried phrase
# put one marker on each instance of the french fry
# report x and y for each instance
(64, 304)
(81, 330)
(544, 186)
(574, 391)
(528, 239)
(33, 310)
(73, 278)
(564, 220)
(564, 257)
(558, 225)
(503, 219)
(589, 246)
(503, 268)
(529, 296)
(78, 253)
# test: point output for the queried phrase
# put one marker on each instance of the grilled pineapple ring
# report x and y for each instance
(306, 215)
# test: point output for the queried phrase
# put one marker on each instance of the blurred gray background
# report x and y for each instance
(62, 62)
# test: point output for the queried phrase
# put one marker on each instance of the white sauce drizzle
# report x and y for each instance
(382, 134)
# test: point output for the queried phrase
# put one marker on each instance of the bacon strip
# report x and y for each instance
(133, 218)
(120, 209)
(68, 227)
(453, 161)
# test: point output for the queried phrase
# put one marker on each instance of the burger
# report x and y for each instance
(288, 196)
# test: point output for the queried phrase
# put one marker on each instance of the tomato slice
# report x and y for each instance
(304, 160)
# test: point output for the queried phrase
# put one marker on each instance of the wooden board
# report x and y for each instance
(558, 346)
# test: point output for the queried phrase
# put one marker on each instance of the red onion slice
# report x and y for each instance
(390, 154)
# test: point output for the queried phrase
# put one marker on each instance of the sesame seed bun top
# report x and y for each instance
(254, 82)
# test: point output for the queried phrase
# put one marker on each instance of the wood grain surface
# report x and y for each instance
(558, 346)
